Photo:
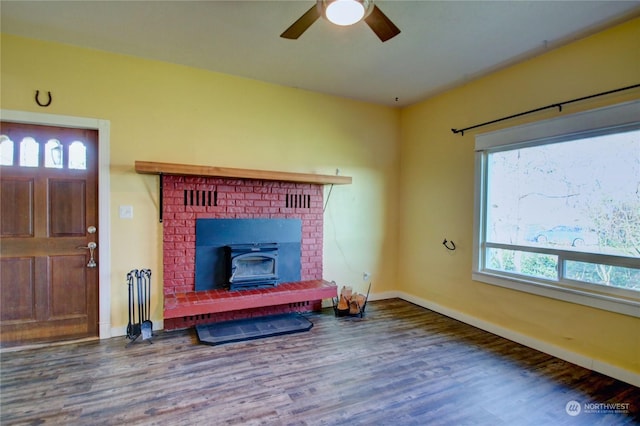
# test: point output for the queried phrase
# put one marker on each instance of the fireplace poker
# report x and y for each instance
(133, 329)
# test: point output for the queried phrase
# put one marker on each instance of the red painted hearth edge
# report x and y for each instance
(216, 301)
(187, 198)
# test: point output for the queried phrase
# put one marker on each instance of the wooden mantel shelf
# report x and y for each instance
(150, 167)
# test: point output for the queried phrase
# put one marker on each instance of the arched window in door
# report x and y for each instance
(29, 150)
(77, 156)
(6, 151)
(53, 154)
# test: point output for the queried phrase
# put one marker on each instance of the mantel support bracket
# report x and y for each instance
(161, 188)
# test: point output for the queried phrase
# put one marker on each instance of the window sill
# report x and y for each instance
(594, 300)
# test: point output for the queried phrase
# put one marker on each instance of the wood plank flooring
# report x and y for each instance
(400, 365)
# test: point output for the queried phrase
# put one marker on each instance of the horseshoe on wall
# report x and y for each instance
(40, 103)
(446, 244)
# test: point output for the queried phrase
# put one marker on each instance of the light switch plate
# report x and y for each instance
(126, 212)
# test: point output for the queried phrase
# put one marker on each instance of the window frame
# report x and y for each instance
(619, 117)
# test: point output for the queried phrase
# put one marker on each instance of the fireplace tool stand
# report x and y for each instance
(139, 284)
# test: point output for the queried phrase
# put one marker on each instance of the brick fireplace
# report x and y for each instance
(187, 198)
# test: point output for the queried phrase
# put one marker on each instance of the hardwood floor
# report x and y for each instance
(400, 365)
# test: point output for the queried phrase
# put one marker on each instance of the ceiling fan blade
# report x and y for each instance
(302, 24)
(381, 25)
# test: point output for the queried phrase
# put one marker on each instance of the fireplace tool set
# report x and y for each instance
(139, 283)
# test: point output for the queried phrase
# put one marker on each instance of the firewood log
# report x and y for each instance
(343, 304)
(346, 292)
(354, 309)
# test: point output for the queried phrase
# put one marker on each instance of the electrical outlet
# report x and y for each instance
(366, 276)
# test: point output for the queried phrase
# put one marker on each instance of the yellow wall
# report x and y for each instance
(169, 113)
(164, 112)
(437, 184)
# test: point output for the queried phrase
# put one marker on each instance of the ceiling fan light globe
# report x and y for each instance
(345, 12)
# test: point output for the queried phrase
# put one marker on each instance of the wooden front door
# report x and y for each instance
(48, 219)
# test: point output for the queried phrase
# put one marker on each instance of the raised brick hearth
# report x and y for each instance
(184, 309)
(187, 198)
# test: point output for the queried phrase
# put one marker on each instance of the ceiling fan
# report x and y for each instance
(344, 12)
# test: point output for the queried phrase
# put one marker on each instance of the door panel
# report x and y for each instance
(68, 294)
(67, 203)
(17, 289)
(48, 197)
(17, 207)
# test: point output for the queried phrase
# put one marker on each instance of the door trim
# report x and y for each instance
(104, 196)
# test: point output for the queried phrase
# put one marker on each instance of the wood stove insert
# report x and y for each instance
(252, 265)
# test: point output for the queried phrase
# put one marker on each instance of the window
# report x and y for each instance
(6, 151)
(77, 156)
(54, 153)
(29, 152)
(558, 208)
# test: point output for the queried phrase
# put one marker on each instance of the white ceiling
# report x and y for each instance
(442, 43)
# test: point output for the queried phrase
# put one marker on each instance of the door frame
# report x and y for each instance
(104, 197)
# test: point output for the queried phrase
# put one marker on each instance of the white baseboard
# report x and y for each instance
(105, 330)
(542, 346)
(386, 295)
